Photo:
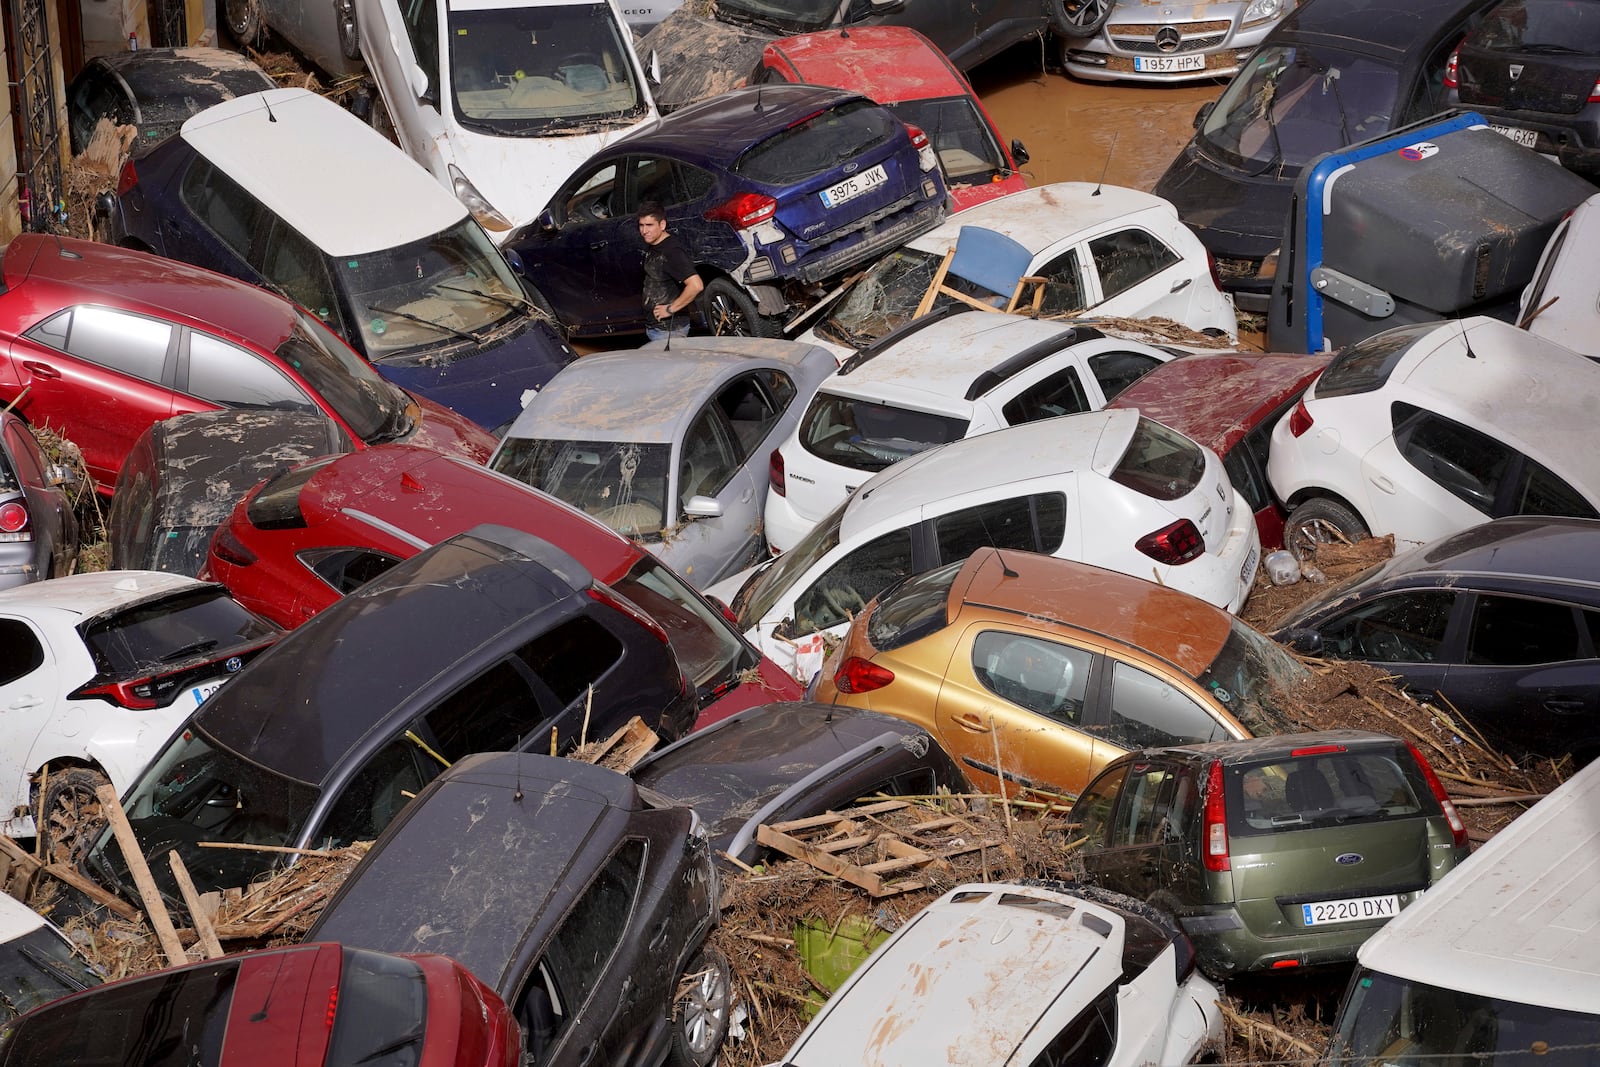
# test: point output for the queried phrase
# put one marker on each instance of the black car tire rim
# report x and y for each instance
(72, 816)
(349, 33)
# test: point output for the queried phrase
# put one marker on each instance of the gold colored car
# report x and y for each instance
(1040, 671)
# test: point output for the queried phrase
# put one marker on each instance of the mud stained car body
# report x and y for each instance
(584, 902)
(491, 641)
(38, 528)
(902, 70)
(1178, 42)
(1016, 975)
(156, 90)
(311, 1005)
(1035, 672)
(773, 191)
(1277, 852)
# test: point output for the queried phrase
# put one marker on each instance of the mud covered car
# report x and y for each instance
(583, 900)
(156, 90)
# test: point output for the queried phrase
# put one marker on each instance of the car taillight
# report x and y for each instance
(14, 522)
(744, 211)
(127, 178)
(1177, 543)
(919, 140)
(1315, 750)
(857, 675)
(1452, 69)
(1216, 275)
(727, 612)
(1299, 420)
(612, 599)
(1216, 824)
(1458, 829)
(1594, 94)
(775, 473)
(140, 694)
(227, 547)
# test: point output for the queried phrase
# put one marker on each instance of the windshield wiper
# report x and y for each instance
(1269, 95)
(504, 301)
(393, 1046)
(441, 327)
(203, 645)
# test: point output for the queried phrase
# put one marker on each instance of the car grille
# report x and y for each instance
(1193, 37)
(877, 239)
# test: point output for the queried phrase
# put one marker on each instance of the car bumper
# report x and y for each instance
(1225, 945)
(1225, 578)
(864, 240)
(784, 525)
(1130, 49)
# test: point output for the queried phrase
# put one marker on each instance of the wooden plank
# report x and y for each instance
(822, 861)
(906, 862)
(205, 933)
(845, 844)
(19, 870)
(160, 921)
(110, 901)
(830, 817)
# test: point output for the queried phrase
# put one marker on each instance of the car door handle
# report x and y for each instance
(1564, 706)
(744, 497)
(25, 702)
(41, 370)
(1180, 285)
(1383, 483)
(597, 245)
(973, 723)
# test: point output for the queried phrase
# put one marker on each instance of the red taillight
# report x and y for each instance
(227, 547)
(136, 695)
(775, 473)
(14, 518)
(1216, 275)
(919, 140)
(612, 599)
(1458, 829)
(1178, 543)
(333, 1005)
(1452, 69)
(857, 675)
(1216, 837)
(127, 178)
(1315, 750)
(744, 210)
(1299, 420)
(1594, 94)
(1279, 965)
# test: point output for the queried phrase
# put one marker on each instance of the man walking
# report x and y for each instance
(670, 281)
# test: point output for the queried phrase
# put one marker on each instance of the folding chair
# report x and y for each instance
(991, 260)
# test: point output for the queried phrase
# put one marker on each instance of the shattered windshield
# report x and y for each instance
(346, 382)
(963, 142)
(785, 16)
(541, 71)
(449, 287)
(885, 297)
(1293, 103)
(1252, 678)
(763, 589)
(37, 968)
(621, 483)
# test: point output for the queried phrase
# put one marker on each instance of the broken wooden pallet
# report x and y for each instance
(628, 745)
(905, 858)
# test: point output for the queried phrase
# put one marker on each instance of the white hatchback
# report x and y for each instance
(96, 672)
(944, 377)
(1425, 430)
(1105, 487)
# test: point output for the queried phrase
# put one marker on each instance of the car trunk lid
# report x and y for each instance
(1527, 80)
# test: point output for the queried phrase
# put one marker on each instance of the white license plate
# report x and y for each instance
(1168, 64)
(854, 186)
(200, 692)
(1349, 910)
(1525, 138)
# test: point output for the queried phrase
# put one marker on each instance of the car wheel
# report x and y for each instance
(701, 1010)
(72, 818)
(1320, 521)
(542, 306)
(1079, 18)
(344, 13)
(729, 311)
(242, 19)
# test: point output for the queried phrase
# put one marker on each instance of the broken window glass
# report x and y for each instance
(621, 483)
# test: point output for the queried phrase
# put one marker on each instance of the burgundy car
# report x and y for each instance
(103, 341)
(1229, 403)
(302, 540)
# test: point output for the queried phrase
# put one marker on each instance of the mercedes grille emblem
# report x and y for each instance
(1168, 39)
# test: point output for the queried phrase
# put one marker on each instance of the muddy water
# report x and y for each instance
(1075, 130)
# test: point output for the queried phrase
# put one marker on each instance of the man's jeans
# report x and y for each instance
(656, 333)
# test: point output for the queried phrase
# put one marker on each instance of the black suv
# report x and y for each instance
(584, 901)
(492, 640)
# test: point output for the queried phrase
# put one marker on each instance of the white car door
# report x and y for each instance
(1135, 274)
(30, 690)
(400, 43)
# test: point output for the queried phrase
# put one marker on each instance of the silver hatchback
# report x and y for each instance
(38, 530)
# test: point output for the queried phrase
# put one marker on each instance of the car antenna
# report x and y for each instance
(1107, 165)
(516, 794)
(268, 105)
(62, 250)
(1004, 568)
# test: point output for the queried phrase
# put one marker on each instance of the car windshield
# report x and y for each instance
(438, 290)
(708, 651)
(1392, 1020)
(867, 436)
(621, 483)
(885, 297)
(1160, 462)
(1252, 677)
(1550, 27)
(1293, 103)
(382, 1012)
(199, 791)
(785, 16)
(1333, 787)
(915, 608)
(1365, 365)
(817, 144)
(541, 71)
(370, 406)
(36, 968)
(196, 622)
(966, 148)
(764, 588)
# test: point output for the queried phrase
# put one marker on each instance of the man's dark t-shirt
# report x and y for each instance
(666, 268)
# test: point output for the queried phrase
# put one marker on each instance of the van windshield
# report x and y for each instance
(761, 592)
(541, 71)
(442, 289)
(1390, 1020)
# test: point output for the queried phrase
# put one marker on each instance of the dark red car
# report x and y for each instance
(1229, 403)
(904, 71)
(102, 342)
(316, 1005)
(302, 540)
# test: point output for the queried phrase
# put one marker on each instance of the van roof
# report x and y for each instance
(326, 173)
(1517, 919)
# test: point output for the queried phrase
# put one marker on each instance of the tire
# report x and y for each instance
(242, 21)
(701, 1011)
(1079, 18)
(729, 312)
(542, 306)
(344, 16)
(1320, 521)
(72, 818)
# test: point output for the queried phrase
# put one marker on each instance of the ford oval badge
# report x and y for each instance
(233, 664)
(1349, 859)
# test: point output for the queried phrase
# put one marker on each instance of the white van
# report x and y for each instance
(501, 100)
(1497, 964)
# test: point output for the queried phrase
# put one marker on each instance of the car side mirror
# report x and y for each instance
(1203, 112)
(419, 84)
(547, 221)
(514, 261)
(58, 476)
(703, 507)
(1303, 640)
(1019, 153)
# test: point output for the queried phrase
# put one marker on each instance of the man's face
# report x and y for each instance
(652, 229)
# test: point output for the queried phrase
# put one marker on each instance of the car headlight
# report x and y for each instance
(1265, 10)
(475, 203)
